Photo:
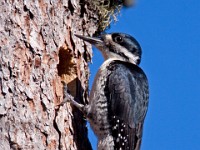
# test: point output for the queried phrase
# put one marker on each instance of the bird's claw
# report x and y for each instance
(67, 97)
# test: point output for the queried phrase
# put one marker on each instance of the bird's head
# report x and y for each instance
(117, 46)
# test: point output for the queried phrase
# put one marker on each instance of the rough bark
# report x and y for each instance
(37, 51)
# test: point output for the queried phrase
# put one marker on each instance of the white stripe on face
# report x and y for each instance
(118, 48)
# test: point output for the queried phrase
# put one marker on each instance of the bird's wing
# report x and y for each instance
(128, 98)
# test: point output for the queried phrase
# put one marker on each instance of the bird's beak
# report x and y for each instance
(92, 40)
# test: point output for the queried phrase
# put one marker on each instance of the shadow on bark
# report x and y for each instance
(68, 72)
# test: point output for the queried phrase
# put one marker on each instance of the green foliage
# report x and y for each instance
(107, 11)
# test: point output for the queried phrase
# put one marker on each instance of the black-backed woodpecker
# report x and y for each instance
(119, 97)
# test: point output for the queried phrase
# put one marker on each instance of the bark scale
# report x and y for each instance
(37, 51)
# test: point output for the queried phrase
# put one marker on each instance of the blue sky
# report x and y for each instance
(169, 34)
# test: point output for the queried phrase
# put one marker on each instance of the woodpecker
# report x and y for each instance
(119, 97)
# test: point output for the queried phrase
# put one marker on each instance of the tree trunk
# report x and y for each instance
(37, 51)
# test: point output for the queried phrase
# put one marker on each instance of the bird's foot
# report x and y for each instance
(69, 98)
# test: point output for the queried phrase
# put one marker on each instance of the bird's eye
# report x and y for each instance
(118, 39)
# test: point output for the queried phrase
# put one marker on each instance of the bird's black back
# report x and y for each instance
(127, 94)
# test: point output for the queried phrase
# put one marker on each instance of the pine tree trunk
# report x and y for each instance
(37, 51)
